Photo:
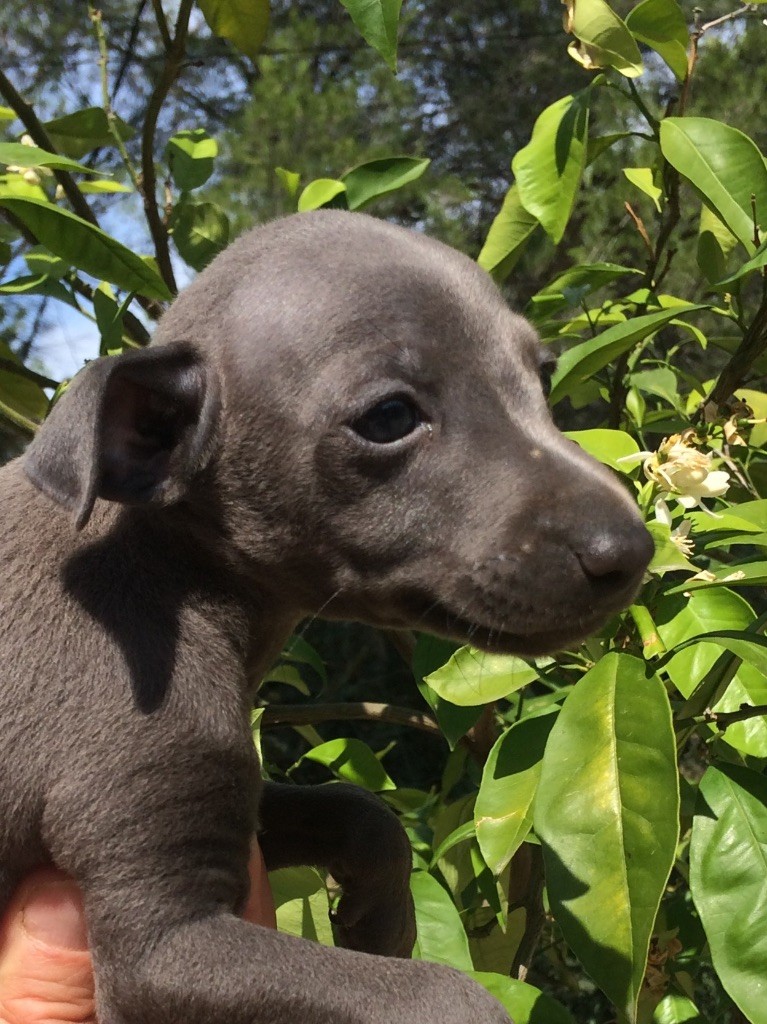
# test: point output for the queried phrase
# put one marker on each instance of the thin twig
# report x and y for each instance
(101, 40)
(724, 719)
(162, 24)
(301, 714)
(172, 67)
(695, 36)
(752, 346)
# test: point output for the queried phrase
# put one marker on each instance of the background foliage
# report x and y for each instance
(589, 830)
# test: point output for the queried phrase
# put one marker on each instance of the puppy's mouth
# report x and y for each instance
(499, 640)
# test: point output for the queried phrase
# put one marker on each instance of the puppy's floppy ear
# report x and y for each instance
(133, 428)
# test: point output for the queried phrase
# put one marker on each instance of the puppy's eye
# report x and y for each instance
(388, 421)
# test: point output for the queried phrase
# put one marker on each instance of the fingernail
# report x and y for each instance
(54, 916)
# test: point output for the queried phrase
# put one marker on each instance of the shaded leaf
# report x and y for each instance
(525, 1004)
(244, 23)
(377, 22)
(728, 866)
(78, 133)
(441, 936)
(86, 247)
(509, 233)
(661, 25)
(191, 155)
(200, 232)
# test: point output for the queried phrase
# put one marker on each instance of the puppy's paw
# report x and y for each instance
(375, 921)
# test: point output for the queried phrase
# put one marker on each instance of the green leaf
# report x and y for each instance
(644, 179)
(30, 156)
(200, 232)
(431, 653)
(298, 649)
(728, 867)
(290, 676)
(301, 903)
(377, 22)
(354, 761)
(7, 114)
(509, 233)
(667, 557)
(548, 169)
(191, 155)
(676, 1009)
(525, 1004)
(40, 261)
(607, 815)
(78, 133)
(661, 25)
(290, 180)
(582, 361)
(21, 400)
(86, 247)
(725, 167)
(474, 677)
(715, 242)
(441, 936)
(570, 288)
(102, 187)
(244, 23)
(108, 318)
(503, 812)
(605, 39)
(376, 178)
(757, 262)
(608, 446)
(319, 193)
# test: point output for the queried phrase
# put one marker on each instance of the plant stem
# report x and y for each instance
(98, 28)
(9, 366)
(173, 60)
(301, 714)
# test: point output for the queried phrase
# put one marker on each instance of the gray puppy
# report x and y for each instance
(337, 417)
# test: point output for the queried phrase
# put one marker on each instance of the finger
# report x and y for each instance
(45, 968)
(260, 906)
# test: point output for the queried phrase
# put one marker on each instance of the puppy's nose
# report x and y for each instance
(616, 559)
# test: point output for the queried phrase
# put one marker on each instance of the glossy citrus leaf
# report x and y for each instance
(474, 677)
(525, 1004)
(441, 935)
(606, 813)
(548, 169)
(580, 362)
(376, 178)
(603, 39)
(354, 761)
(509, 233)
(728, 867)
(503, 811)
(723, 164)
(30, 156)
(200, 232)
(86, 247)
(244, 23)
(78, 133)
(608, 446)
(301, 903)
(191, 155)
(377, 22)
(662, 25)
(319, 193)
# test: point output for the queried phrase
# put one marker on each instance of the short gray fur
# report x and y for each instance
(182, 508)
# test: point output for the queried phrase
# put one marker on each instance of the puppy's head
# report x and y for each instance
(373, 420)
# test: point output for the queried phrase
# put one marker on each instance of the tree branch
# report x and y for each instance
(752, 346)
(22, 371)
(171, 68)
(301, 714)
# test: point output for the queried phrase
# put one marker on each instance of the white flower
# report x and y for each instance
(30, 174)
(678, 537)
(685, 472)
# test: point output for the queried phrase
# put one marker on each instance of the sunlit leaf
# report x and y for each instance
(725, 167)
(608, 446)
(607, 815)
(191, 155)
(30, 156)
(475, 677)
(441, 936)
(662, 25)
(354, 761)
(525, 1004)
(319, 193)
(548, 169)
(86, 246)
(603, 39)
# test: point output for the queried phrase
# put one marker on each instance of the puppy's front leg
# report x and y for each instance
(352, 834)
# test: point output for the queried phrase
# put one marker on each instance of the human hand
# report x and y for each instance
(46, 975)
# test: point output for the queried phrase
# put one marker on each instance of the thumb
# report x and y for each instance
(45, 968)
